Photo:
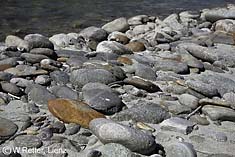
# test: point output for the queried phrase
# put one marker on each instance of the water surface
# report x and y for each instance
(55, 16)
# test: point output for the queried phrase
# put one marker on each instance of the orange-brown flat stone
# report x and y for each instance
(136, 46)
(73, 111)
(5, 66)
(125, 60)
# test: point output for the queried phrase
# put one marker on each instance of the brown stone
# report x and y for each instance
(136, 46)
(73, 111)
(121, 39)
(125, 60)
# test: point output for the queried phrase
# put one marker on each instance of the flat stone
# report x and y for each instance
(119, 25)
(102, 98)
(219, 113)
(44, 51)
(21, 82)
(113, 47)
(142, 84)
(124, 60)
(71, 111)
(145, 72)
(178, 125)
(222, 38)
(9, 62)
(94, 33)
(83, 76)
(7, 128)
(33, 58)
(147, 113)
(111, 132)
(181, 149)
(219, 13)
(28, 141)
(59, 77)
(5, 76)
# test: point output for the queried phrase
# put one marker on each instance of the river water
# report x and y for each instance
(55, 16)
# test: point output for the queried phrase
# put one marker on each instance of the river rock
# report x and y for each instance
(102, 98)
(33, 58)
(11, 88)
(5, 76)
(138, 20)
(113, 47)
(94, 33)
(109, 131)
(7, 128)
(118, 37)
(226, 25)
(43, 80)
(148, 113)
(219, 113)
(189, 100)
(59, 77)
(119, 25)
(49, 64)
(9, 62)
(64, 92)
(21, 82)
(136, 46)
(142, 84)
(81, 77)
(29, 141)
(20, 44)
(222, 37)
(145, 72)
(178, 125)
(219, 13)
(71, 111)
(38, 41)
(180, 149)
(44, 51)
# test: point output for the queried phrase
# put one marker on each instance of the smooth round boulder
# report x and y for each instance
(120, 25)
(109, 131)
(7, 128)
(180, 149)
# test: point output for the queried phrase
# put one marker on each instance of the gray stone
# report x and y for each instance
(81, 77)
(112, 47)
(50, 64)
(43, 80)
(171, 65)
(7, 128)
(64, 92)
(180, 149)
(189, 100)
(58, 127)
(20, 44)
(219, 13)
(11, 88)
(102, 98)
(5, 76)
(72, 129)
(178, 125)
(110, 132)
(38, 41)
(138, 20)
(219, 113)
(28, 141)
(145, 72)
(10, 61)
(44, 51)
(94, 33)
(222, 38)
(21, 82)
(76, 61)
(59, 77)
(148, 113)
(119, 25)
(33, 58)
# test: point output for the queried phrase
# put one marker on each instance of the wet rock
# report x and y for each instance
(113, 47)
(38, 41)
(102, 98)
(181, 149)
(7, 128)
(119, 25)
(142, 84)
(94, 33)
(189, 100)
(83, 76)
(135, 46)
(71, 111)
(148, 113)
(110, 132)
(178, 125)
(59, 77)
(219, 113)
(28, 141)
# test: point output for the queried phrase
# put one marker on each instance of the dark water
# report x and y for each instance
(54, 16)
